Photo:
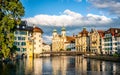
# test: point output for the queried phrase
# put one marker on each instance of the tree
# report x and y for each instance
(10, 13)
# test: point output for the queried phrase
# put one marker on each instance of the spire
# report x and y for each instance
(63, 28)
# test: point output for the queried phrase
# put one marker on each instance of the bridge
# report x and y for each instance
(65, 53)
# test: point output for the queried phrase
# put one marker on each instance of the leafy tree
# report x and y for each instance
(10, 13)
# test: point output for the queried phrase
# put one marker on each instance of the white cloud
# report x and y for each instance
(113, 6)
(68, 18)
(47, 38)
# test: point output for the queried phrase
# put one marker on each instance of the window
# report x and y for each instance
(23, 43)
(18, 49)
(14, 43)
(23, 38)
(16, 32)
(108, 35)
(18, 43)
(19, 38)
(15, 38)
(24, 49)
(23, 32)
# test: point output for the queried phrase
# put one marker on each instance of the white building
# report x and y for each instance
(46, 47)
(111, 41)
(21, 37)
(38, 41)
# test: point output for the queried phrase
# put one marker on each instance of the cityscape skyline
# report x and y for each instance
(73, 14)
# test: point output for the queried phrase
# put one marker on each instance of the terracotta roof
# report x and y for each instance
(113, 31)
(84, 32)
(37, 29)
(70, 39)
(101, 33)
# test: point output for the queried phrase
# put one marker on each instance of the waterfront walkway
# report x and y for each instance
(66, 53)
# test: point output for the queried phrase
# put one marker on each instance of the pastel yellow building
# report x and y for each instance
(94, 41)
(82, 41)
(30, 48)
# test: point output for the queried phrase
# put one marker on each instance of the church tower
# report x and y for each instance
(63, 32)
(54, 33)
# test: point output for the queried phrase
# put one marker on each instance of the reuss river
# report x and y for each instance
(60, 65)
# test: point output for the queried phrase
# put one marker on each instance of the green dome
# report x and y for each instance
(84, 28)
(63, 28)
(54, 30)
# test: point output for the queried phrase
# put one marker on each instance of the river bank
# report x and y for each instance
(105, 58)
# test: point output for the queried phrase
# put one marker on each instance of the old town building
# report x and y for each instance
(38, 41)
(94, 41)
(62, 42)
(82, 41)
(111, 41)
(46, 47)
(28, 40)
(21, 37)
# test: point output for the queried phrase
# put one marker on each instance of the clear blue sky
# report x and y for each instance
(55, 7)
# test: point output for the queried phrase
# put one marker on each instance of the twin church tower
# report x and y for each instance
(61, 42)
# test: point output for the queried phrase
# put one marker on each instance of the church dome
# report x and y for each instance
(54, 30)
(63, 28)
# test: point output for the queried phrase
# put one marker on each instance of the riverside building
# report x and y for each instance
(62, 42)
(94, 41)
(111, 41)
(21, 37)
(28, 40)
(82, 41)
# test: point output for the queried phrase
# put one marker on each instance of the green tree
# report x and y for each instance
(10, 13)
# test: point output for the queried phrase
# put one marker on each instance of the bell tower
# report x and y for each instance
(63, 32)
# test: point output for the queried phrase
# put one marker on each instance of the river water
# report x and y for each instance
(60, 65)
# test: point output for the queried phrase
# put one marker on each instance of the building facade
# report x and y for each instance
(82, 41)
(94, 41)
(111, 41)
(46, 47)
(21, 37)
(37, 41)
(61, 42)
(28, 40)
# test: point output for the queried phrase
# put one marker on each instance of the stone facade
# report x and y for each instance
(82, 41)
(94, 41)
(61, 42)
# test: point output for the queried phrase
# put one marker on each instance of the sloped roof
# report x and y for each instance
(101, 33)
(84, 32)
(113, 31)
(70, 39)
(23, 26)
(37, 29)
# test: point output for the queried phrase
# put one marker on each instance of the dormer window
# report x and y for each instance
(18, 26)
(116, 31)
(23, 27)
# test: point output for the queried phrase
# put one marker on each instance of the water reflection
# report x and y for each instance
(60, 65)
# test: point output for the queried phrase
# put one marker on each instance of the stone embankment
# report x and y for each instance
(105, 58)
